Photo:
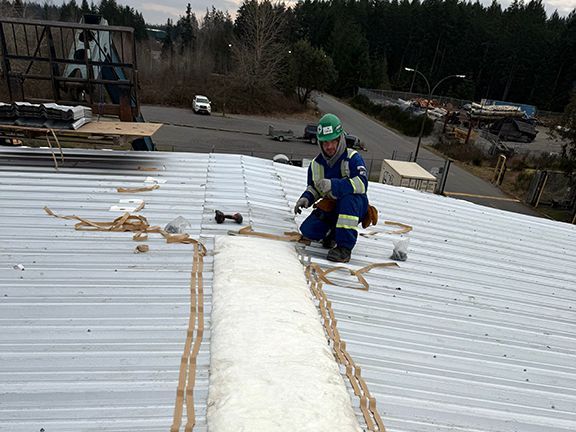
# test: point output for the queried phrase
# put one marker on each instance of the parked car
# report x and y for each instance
(310, 132)
(201, 104)
(352, 141)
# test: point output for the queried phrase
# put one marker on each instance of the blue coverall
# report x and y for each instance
(349, 184)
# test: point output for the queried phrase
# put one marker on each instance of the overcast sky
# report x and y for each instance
(158, 11)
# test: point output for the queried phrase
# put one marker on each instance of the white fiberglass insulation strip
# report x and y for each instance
(271, 367)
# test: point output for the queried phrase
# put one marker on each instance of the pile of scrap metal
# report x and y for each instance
(47, 115)
(494, 112)
(454, 135)
(418, 107)
(437, 113)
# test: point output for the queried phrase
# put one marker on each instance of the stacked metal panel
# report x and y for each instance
(476, 331)
(49, 115)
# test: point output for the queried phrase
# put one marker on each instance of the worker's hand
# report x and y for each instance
(324, 186)
(301, 203)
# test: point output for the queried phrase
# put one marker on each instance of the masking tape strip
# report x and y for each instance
(187, 374)
(58, 144)
(290, 236)
(183, 374)
(132, 223)
(315, 276)
(194, 335)
(404, 229)
(138, 189)
(191, 418)
(321, 274)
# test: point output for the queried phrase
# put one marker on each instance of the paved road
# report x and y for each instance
(382, 142)
(188, 132)
(543, 143)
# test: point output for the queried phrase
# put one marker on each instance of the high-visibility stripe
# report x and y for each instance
(355, 228)
(353, 185)
(351, 217)
(358, 185)
(347, 221)
(317, 171)
(345, 168)
(317, 174)
(313, 191)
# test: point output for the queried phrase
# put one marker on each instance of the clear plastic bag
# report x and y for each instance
(400, 252)
(177, 226)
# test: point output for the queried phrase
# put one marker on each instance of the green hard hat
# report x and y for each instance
(329, 128)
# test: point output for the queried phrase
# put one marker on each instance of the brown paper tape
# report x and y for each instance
(316, 276)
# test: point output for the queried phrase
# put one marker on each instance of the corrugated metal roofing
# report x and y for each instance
(475, 332)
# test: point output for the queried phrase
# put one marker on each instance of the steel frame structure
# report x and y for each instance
(27, 46)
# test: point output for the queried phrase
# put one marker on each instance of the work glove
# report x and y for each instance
(324, 186)
(301, 203)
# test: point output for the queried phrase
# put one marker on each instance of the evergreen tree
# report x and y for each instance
(168, 42)
(18, 8)
(310, 69)
(351, 57)
(85, 8)
(217, 37)
(567, 131)
(187, 27)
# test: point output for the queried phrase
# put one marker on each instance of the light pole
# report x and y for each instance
(430, 93)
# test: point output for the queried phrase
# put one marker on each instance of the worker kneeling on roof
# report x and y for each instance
(338, 178)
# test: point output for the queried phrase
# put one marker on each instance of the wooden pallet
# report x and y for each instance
(108, 133)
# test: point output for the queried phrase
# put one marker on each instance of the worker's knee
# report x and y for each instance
(353, 204)
(314, 228)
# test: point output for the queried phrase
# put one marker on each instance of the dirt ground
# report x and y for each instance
(515, 184)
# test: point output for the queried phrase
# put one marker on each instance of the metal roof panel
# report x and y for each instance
(475, 331)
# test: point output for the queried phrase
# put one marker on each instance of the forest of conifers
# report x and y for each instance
(516, 53)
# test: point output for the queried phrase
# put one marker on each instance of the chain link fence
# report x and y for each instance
(553, 189)
(381, 96)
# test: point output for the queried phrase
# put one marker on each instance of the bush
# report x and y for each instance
(224, 93)
(523, 180)
(517, 163)
(534, 161)
(462, 152)
(393, 116)
(361, 102)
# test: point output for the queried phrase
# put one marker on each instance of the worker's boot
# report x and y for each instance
(339, 254)
(328, 242)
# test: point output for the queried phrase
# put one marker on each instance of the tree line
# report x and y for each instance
(72, 11)
(515, 53)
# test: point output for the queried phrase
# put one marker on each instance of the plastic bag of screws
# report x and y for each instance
(400, 252)
(177, 226)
